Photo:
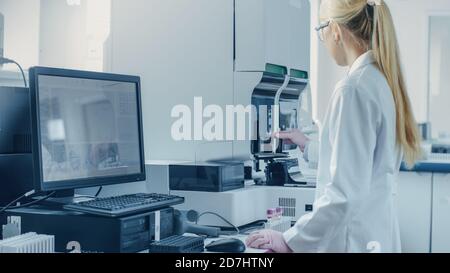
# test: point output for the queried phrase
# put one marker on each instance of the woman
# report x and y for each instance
(368, 130)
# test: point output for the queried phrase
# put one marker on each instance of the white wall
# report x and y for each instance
(272, 31)
(21, 31)
(2, 23)
(324, 71)
(54, 33)
(439, 76)
(62, 32)
(410, 19)
(73, 36)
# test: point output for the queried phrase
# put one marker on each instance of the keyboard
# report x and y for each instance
(123, 205)
(178, 244)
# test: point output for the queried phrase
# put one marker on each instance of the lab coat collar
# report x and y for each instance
(362, 61)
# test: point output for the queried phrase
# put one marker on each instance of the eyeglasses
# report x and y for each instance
(320, 29)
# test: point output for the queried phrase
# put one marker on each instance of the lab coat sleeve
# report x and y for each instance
(352, 135)
(311, 154)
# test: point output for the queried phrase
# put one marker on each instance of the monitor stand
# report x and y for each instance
(61, 198)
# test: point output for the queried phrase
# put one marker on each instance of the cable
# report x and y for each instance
(98, 192)
(36, 201)
(17, 200)
(23, 74)
(221, 217)
(28, 204)
(9, 61)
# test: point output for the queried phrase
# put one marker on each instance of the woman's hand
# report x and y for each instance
(295, 136)
(268, 239)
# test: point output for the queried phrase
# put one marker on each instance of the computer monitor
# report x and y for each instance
(86, 129)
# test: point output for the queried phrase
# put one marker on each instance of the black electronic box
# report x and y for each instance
(207, 177)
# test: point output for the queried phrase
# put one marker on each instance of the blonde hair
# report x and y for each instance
(372, 25)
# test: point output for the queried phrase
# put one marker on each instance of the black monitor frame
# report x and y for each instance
(39, 183)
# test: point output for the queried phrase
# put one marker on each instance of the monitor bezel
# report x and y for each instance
(38, 176)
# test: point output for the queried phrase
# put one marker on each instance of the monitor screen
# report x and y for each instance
(88, 128)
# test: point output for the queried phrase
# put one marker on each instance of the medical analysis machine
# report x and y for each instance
(285, 96)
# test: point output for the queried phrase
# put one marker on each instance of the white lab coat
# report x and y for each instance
(359, 162)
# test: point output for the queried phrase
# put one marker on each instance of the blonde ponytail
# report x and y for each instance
(386, 52)
(371, 23)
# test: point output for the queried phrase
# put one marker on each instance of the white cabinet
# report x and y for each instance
(181, 50)
(277, 30)
(272, 31)
(414, 198)
(249, 35)
(441, 214)
(299, 15)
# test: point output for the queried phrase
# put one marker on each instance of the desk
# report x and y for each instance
(93, 233)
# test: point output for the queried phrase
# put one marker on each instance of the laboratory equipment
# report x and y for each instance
(425, 131)
(440, 148)
(208, 177)
(241, 206)
(284, 103)
(248, 205)
(276, 221)
(28, 243)
(436, 158)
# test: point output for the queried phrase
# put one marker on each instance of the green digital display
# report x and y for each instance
(276, 69)
(299, 74)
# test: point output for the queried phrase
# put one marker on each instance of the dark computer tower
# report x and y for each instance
(16, 163)
(94, 234)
